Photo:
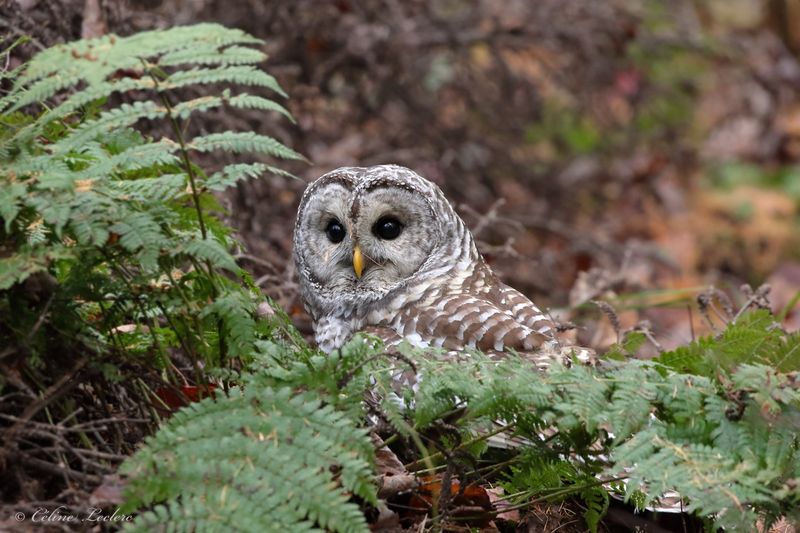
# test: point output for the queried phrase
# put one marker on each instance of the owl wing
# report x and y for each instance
(389, 336)
(491, 317)
(524, 311)
(557, 348)
(484, 320)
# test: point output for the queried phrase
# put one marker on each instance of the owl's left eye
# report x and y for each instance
(335, 231)
(387, 228)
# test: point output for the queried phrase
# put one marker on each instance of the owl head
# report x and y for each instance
(364, 232)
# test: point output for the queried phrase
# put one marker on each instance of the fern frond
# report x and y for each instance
(237, 315)
(39, 91)
(21, 266)
(156, 42)
(269, 445)
(93, 60)
(242, 101)
(236, 172)
(238, 142)
(11, 195)
(123, 116)
(597, 502)
(102, 210)
(210, 250)
(241, 75)
(160, 153)
(210, 54)
(157, 189)
(137, 230)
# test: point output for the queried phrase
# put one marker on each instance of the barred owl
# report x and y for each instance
(381, 250)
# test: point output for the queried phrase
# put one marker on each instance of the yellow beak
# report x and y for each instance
(358, 261)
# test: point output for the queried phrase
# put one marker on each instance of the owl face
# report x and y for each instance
(363, 232)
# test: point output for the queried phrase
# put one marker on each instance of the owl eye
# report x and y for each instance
(387, 228)
(335, 231)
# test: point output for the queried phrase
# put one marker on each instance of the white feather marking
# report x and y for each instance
(531, 321)
(519, 307)
(483, 317)
(416, 340)
(464, 310)
(446, 300)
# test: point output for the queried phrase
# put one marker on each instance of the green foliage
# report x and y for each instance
(282, 451)
(570, 132)
(755, 338)
(125, 225)
(725, 437)
(732, 174)
(113, 246)
(260, 459)
(725, 440)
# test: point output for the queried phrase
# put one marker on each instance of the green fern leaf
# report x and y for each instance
(243, 142)
(210, 250)
(241, 75)
(261, 444)
(138, 230)
(161, 153)
(210, 54)
(236, 313)
(74, 103)
(243, 101)
(236, 172)
(597, 502)
(21, 266)
(158, 189)
(10, 205)
(123, 116)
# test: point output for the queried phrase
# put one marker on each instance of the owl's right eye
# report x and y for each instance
(335, 231)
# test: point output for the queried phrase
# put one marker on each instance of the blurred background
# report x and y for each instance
(636, 152)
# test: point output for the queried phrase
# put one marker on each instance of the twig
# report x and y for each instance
(57, 468)
(258, 261)
(55, 391)
(184, 152)
(645, 327)
(703, 301)
(414, 466)
(757, 298)
(40, 320)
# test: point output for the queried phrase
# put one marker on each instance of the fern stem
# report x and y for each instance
(438, 455)
(124, 276)
(187, 347)
(566, 491)
(198, 208)
(189, 170)
(184, 153)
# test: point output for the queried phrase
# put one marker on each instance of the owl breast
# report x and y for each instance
(465, 309)
(332, 332)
